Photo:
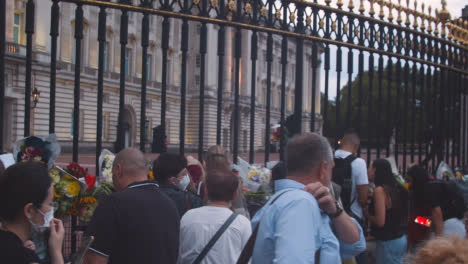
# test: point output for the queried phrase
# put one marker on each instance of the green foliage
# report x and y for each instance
(384, 114)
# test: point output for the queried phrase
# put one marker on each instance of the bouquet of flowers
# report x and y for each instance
(256, 180)
(76, 192)
(276, 133)
(396, 173)
(444, 172)
(42, 149)
(106, 159)
(66, 189)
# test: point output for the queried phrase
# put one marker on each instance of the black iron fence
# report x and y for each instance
(405, 90)
(410, 85)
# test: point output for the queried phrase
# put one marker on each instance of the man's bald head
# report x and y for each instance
(132, 162)
(351, 141)
(129, 166)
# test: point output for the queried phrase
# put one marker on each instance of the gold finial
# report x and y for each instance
(361, 7)
(429, 20)
(390, 15)
(399, 20)
(436, 21)
(450, 30)
(372, 12)
(350, 5)
(292, 17)
(415, 15)
(263, 11)
(248, 8)
(423, 25)
(232, 6)
(407, 12)
(339, 3)
(381, 13)
(278, 14)
(327, 2)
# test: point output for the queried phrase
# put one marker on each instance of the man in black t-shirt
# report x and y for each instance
(444, 204)
(138, 223)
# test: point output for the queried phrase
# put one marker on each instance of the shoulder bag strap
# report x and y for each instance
(215, 238)
(247, 251)
(187, 201)
(350, 159)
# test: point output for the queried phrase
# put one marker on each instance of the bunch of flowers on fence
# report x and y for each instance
(106, 159)
(76, 192)
(40, 149)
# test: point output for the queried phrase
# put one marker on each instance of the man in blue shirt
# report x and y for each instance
(299, 227)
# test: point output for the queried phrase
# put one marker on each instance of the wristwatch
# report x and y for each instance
(338, 212)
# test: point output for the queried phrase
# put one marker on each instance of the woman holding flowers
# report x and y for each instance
(26, 207)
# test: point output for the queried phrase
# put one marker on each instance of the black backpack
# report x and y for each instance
(342, 176)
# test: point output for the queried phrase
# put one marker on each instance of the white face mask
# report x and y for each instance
(183, 183)
(47, 219)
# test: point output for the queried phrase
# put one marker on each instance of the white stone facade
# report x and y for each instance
(15, 80)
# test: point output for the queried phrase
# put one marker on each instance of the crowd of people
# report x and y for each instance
(326, 208)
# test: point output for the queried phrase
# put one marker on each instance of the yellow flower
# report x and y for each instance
(150, 175)
(406, 186)
(88, 200)
(56, 195)
(73, 188)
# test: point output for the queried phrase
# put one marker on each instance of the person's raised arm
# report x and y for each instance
(363, 192)
(346, 229)
(438, 220)
(57, 232)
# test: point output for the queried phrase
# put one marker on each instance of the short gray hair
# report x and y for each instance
(305, 152)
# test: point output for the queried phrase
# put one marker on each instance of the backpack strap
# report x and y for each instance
(215, 238)
(350, 158)
(247, 251)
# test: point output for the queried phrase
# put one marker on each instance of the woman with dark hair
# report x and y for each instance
(389, 215)
(26, 197)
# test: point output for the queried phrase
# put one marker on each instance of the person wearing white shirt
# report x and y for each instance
(359, 188)
(198, 226)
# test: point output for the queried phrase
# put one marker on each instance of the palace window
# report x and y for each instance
(148, 67)
(128, 61)
(105, 57)
(17, 27)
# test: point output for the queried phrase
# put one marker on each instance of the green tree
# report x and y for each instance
(381, 114)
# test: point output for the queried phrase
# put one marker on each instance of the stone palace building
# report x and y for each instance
(15, 80)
